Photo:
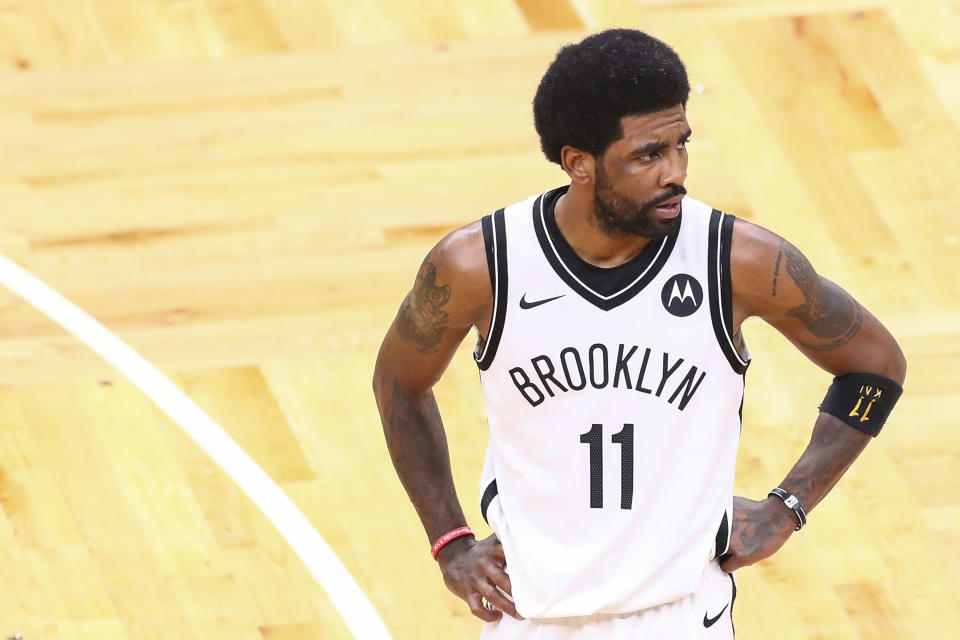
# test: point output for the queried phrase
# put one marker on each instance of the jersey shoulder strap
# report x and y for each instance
(495, 242)
(720, 287)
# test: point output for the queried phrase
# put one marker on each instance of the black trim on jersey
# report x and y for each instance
(495, 241)
(721, 543)
(486, 225)
(488, 495)
(720, 288)
(733, 599)
(604, 287)
(726, 285)
(742, 395)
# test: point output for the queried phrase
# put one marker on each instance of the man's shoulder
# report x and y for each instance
(460, 258)
(461, 247)
(752, 243)
(465, 246)
(465, 249)
(757, 264)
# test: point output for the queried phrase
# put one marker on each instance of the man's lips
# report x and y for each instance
(669, 208)
(672, 201)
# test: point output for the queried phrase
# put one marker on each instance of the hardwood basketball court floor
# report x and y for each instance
(243, 190)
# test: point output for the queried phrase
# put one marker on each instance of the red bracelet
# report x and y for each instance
(448, 537)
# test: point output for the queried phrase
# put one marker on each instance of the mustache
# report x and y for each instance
(672, 192)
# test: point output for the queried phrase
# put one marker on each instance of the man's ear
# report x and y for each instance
(578, 164)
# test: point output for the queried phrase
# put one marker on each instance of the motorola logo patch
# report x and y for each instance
(682, 295)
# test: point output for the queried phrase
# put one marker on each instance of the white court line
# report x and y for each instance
(356, 610)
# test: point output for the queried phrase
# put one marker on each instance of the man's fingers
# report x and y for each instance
(475, 600)
(487, 574)
(499, 600)
(496, 550)
(502, 580)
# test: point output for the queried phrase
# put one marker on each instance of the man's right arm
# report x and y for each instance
(451, 294)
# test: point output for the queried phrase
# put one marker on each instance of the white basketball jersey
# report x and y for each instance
(613, 398)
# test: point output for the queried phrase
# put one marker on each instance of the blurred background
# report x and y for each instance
(243, 190)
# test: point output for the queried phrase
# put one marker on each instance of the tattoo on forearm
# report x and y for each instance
(418, 448)
(422, 318)
(829, 312)
(832, 449)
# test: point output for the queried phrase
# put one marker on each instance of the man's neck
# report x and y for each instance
(575, 219)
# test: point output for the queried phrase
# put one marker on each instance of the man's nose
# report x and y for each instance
(676, 170)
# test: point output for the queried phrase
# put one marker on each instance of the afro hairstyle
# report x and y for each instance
(591, 85)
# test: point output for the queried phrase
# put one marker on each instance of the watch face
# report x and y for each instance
(791, 501)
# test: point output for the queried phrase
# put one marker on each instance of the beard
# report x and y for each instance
(617, 215)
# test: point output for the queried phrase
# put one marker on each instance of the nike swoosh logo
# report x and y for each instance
(709, 622)
(536, 303)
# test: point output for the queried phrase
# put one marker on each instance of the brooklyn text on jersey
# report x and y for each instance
(601, 366)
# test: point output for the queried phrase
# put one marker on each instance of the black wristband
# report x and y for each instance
(793, 502)
(862, 400)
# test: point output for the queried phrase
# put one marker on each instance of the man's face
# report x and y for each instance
(638, 182)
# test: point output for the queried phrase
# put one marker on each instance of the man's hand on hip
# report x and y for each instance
(473, 570)
(759, 530)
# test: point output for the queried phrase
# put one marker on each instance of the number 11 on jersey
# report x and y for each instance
(624, 438)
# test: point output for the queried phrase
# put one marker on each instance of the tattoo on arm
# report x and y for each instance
(418, 448)
(832, 449)
(829, 312)
(754, 527)
(422, 318)
(776, 270)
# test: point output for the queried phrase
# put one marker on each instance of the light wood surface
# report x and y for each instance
(243, 191)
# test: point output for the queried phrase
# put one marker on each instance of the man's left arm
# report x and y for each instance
(773, 280)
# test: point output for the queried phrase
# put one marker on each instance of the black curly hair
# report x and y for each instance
(591, 85)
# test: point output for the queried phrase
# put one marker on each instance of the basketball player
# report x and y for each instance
(612, 365)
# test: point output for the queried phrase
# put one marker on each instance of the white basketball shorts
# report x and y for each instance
(705, 614)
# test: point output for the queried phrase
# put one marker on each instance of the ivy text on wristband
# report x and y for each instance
(448, 537)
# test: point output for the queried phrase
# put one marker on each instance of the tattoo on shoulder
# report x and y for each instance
(422, 319)
(828, 312)
(776, 269)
